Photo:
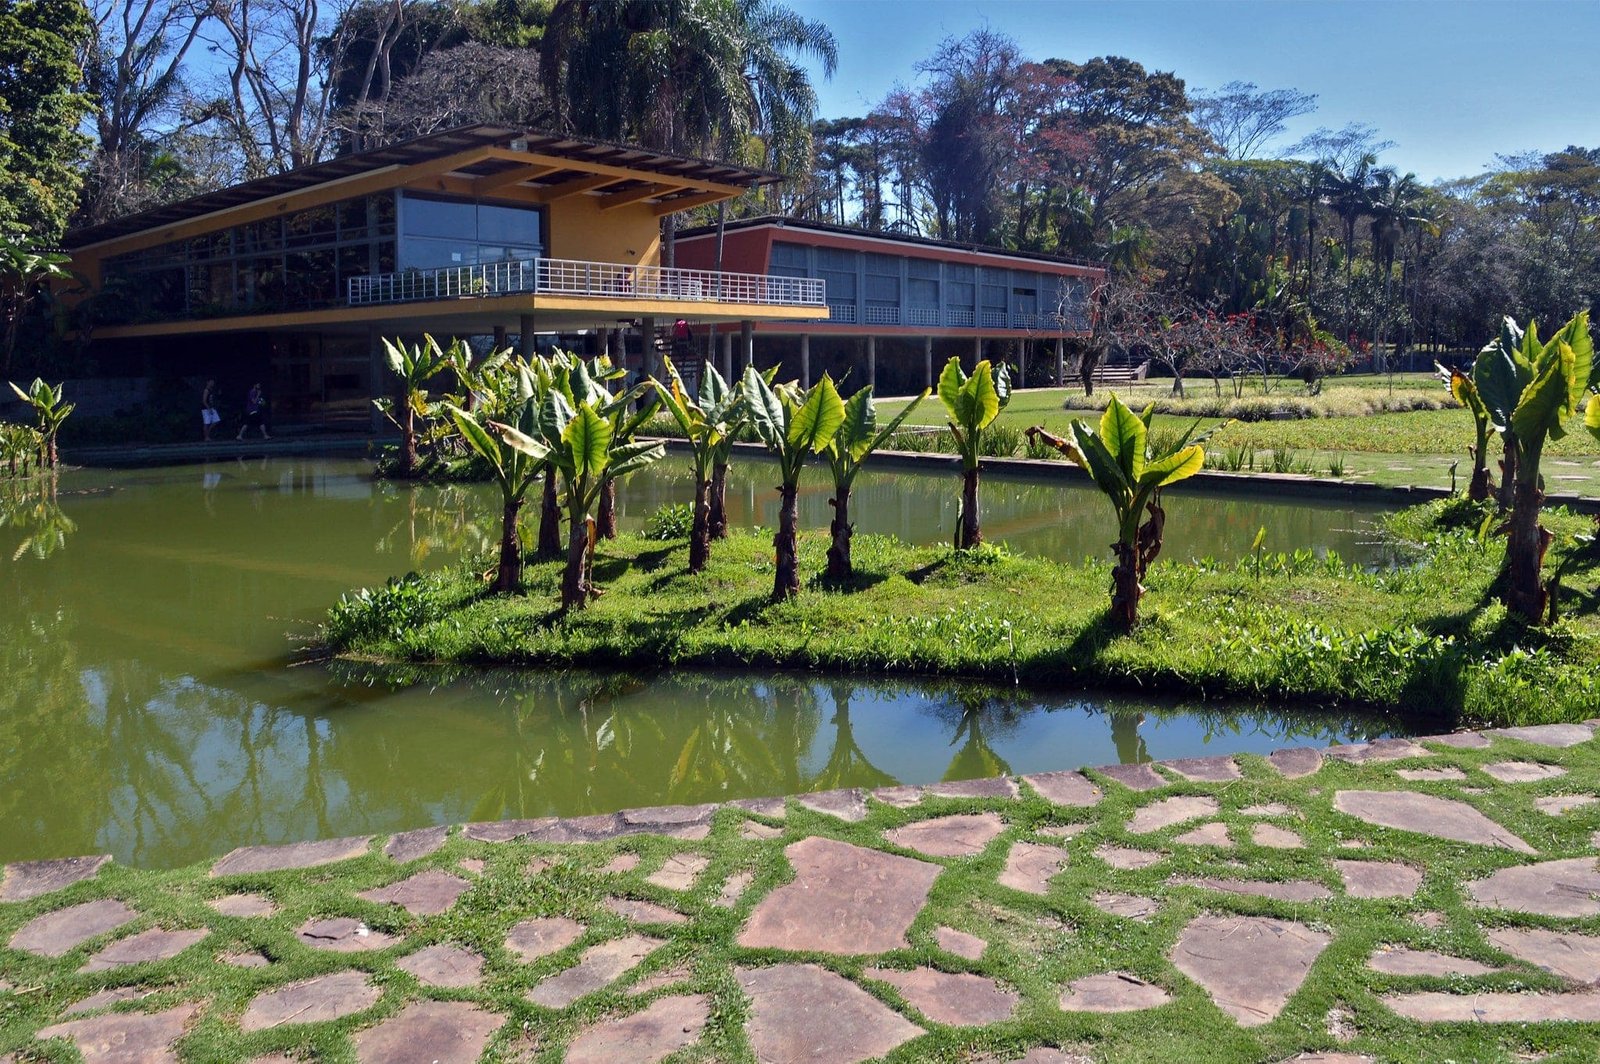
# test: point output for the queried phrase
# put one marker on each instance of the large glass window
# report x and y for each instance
(438, 233)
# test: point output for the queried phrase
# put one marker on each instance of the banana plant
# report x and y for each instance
(579, 440)
(972, 403)
(708, 423)
(1116, 457)
(50, 409)
(516, 459)
(1530, 389)
(858, 436)
(793, 424)
(626, 421)
(1466, 393)
(413, 365)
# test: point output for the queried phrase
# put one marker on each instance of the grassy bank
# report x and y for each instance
(1428, 639)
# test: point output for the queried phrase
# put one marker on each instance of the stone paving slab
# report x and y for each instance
(343, 934)
(25, 880)
(1296, 762)
(1404, 961)
(542, 936)
(1134, 777)
(1569, 888)
(956, 1000)
(244, 905)
(1126, 859)
(1204, 769)
(1170, 811)
(1435, 1007)
(1291, 890)
(427, 893)
(445, 966)
(429, 1032)
(1559, 736)
(1212, 834)
(788, 1000)
(127, 1037)
(995, 787)
(666, 1026)
(153, 944)
(679, 872)
(1470, 740)
(848, 805)
(961, 835)
(1250, 965)
(253, 859)
(1443, 818)
(326, 997)
(1378, 879)
(1071, 789)
(411, 846)
(1378, 751)
(844, 899)
(597, 968)
(1112, 992)
(1568, 955)
(959, 943)
(644, 912)
(104, 999)
(1030, 866)
(1560, 804)
(58, 933)
(1523, 771)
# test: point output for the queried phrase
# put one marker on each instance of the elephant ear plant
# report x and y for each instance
(708, 424)
(1530, 389)
(972, 403)
(413, 366)
(858, 436)
(793, 424)
(51, 409)
(581, 443)
(516, 460)
(1116, 458)
(1466, 393)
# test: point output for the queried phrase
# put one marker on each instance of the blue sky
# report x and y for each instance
(1452, 84)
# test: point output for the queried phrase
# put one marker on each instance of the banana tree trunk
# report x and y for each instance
(549, 519)
(606, 517)
(1151, 535)
(574, 582)
(1479, 488)
(408, 444)
(1508, 474)
(786, 579)
(839, 565)
(719, 501)
(509, 576)
(1125, 587)
(52, 457)
(1525, 592)
(969, 534)
(700, 528)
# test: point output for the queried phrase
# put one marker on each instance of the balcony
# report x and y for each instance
(568, 277)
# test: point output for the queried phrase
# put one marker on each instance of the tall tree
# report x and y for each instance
(1243, 119)
(41, 109)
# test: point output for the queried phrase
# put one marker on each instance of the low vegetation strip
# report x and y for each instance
(1429, 638)
(1393, 900)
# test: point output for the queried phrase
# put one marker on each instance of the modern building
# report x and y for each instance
(899, 306)
(478, 231)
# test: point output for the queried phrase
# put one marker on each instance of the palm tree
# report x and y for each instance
(1350, 197)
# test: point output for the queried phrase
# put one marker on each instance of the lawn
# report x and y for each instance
(1423, 638)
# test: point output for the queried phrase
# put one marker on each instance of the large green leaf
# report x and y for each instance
(1591, 417)
(554, 416)
(765, 408)
(1500, 381)
(984, 392)
(588, 440)
(818, 418)
(521, 442)
(860, 424)
(951, 379)
(477, 438)
(636, 456)
(1580, 352)
(1543, 402)
(1101, 465)
(1180, 465)
(1124, 436)
(1002, 386)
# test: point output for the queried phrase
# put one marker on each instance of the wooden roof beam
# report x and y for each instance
(577, 187)
(515, 176)
(621, 172)
(683, 203)
(638, 195)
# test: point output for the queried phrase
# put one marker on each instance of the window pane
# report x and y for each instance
(424, 217)
(510, 225)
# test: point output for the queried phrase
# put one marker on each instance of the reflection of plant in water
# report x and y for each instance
(976, 759)
(1126, 738)
(847, 765)
(439, 519)
(31, 508)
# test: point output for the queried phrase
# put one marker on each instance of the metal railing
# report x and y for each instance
(609, 280)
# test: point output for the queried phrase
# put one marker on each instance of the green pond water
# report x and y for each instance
(155, 703)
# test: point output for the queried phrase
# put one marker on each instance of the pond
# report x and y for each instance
(157, 705)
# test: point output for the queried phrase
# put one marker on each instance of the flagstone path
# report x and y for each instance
(1295, 907)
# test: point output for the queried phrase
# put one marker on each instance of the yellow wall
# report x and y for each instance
(580, 230)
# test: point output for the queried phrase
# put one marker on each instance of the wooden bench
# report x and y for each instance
(1119, 374)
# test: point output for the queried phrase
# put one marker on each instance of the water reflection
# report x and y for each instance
(153, 708)
(32, 521)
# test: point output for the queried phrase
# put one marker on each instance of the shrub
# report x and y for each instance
(672, 521)
(388, 612)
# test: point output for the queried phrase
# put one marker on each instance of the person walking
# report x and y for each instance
(208, 410)
(255, 412)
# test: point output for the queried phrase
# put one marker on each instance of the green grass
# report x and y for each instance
(1037, 944)
(1427, 638)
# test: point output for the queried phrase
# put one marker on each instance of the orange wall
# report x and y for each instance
(579, 229)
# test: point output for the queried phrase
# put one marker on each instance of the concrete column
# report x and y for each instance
(499, 337)
(927, 362)
(727, 357)
(647, 358)
(872, 363)
(380, 374)
(525, 335)
(1022, 362)
(1061, 362)
(747, 343)
(977, 350)
(805, 361)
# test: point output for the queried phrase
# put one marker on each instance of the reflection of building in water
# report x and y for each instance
(1126, 738)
